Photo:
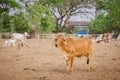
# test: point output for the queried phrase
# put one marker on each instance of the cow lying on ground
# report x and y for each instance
(99, 38)
(75, 48)
(103, 38)
(106, 37)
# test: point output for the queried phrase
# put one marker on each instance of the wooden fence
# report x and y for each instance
(52, 36)
(47, 36)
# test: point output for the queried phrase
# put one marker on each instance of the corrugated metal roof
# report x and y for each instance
(78, 23)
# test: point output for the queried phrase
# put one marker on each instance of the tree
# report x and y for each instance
(20, 23)
(5, 6)
(39, 18)
(70, 8)
(113, 16)
(112, 7)
(64, 9)
(99, 25)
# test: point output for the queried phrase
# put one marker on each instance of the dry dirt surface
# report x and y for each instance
(40, 60)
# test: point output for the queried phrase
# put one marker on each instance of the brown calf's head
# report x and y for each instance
(58, 40)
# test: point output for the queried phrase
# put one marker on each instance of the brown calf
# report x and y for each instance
(75, 48)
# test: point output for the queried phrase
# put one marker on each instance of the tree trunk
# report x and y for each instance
(66, 21)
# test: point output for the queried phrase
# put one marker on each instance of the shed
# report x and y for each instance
(80, 25)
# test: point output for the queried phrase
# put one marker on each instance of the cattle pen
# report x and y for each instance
(43, 61)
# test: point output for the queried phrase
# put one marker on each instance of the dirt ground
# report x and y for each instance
(42, 61)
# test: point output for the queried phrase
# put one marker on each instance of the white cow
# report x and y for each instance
(21, 40)
(98, 38)
(7, 43)
(19, 37)
(10, 43)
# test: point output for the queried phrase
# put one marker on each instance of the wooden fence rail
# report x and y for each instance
(51, 36)
(47, 36)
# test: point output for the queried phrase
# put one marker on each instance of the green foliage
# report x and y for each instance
(52, 2)
(40, 18)
(113, 10)
(66, 9)
(5, 5)
(5, 22)
(100, 4)
(64, 29)
(99, 24)
(113, 16)
(20, 23)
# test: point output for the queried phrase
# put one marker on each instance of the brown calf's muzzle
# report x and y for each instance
(56, 45)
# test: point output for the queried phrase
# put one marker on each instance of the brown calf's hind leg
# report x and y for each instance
(89, 61)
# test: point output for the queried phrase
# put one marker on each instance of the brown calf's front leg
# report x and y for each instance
(67, 63)
(72, 62)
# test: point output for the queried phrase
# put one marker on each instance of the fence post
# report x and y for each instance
(38, 36)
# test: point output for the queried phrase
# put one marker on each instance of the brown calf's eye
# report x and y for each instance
(55, 39)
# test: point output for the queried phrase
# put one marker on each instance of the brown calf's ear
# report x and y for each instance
(64, 41)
